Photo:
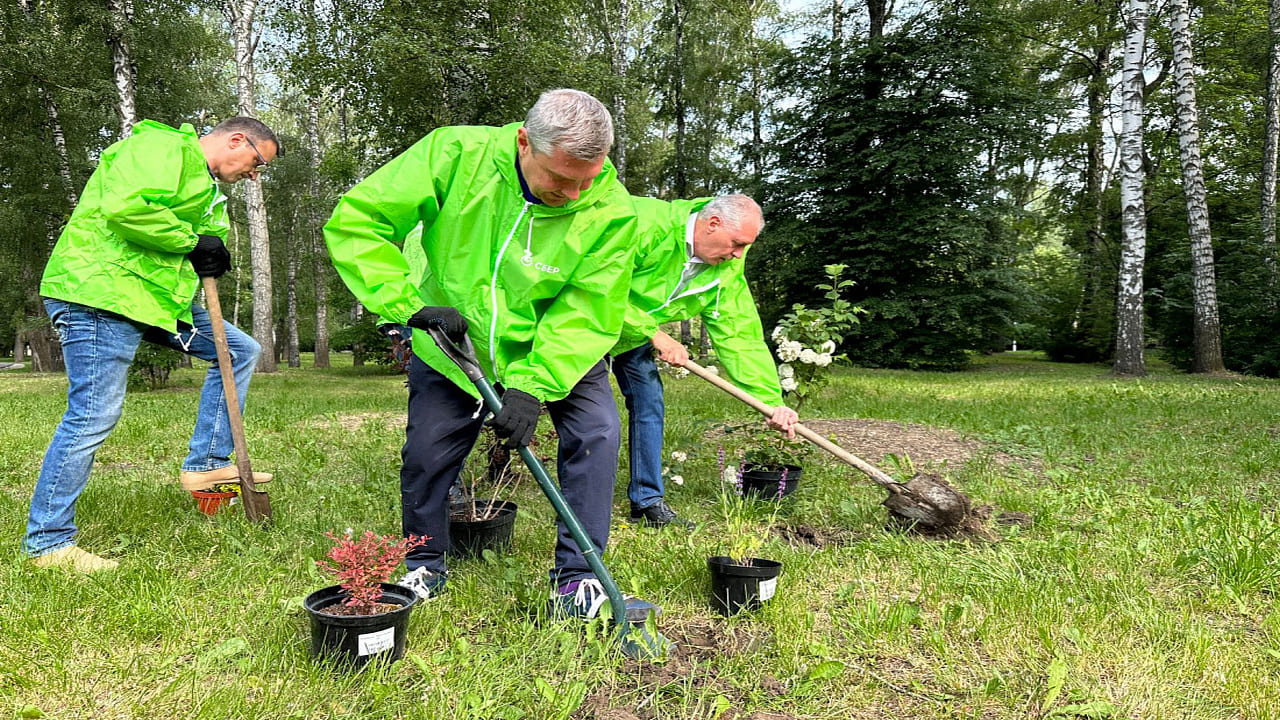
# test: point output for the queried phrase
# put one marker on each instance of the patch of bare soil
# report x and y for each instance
(804, 536)
(925, 445)
(696, 641)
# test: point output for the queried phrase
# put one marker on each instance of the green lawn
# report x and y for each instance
(1144, 589)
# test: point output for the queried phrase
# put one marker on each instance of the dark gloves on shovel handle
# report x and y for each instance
(443, 317)
(210, 257)
(518, 418)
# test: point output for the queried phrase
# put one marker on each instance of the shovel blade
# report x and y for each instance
(257, 505)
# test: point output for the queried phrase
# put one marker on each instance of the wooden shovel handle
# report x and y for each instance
(870, 470)
(257, 506)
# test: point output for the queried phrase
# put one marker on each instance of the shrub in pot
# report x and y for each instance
(480, 521)
(739, 579)
(363, 618)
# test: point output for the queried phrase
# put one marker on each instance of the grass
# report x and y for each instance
(1145, 588)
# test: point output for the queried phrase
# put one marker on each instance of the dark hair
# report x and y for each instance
(254, 128)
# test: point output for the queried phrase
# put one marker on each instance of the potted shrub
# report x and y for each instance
(769, 465)
(483, 522)
(739, 579)
(363, 618)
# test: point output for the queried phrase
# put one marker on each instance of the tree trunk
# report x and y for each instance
(1129, 358)
(1208, 332)
(704, 342)
(677, 92)
(686, 333)
(235, 249)
(1097, 305)
(291, 298)
(240, 13)
(126, 72)
(1271, 142)
(617, 34)
(357, 349)
(319, 255)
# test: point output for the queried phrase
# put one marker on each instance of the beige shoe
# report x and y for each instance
(73, 558)
(203, 481)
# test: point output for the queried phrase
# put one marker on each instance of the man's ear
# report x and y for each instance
(714, 222)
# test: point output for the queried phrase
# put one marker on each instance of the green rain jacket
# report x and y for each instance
(124, 249)
(543, 289)
(718, 293)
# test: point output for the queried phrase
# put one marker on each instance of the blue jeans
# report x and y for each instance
(641, 387)
(443, 425)
(98, 348)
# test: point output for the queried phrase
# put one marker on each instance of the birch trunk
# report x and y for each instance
(291, 297)
(319, 255)
(1129, 358)
(1271, 142)
(241, 13)
(1207, 330)
(126, 72)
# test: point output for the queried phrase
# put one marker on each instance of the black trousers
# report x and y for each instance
(442, 428)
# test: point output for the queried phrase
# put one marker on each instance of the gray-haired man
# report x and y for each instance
(525, 245)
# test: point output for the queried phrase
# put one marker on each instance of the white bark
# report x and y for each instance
(1207, 330)
(1129, 358)
(319, 255)
(1271, 142)
(126, 72)
(241, 13)
(291, 295)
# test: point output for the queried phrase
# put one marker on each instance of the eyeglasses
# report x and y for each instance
(262, 162)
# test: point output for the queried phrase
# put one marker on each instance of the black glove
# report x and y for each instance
(445, 318)
(210, 257)
(518, 418)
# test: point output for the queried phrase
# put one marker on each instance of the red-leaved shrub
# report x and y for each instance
(362, 565)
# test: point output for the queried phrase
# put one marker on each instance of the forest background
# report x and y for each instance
(1094, 178)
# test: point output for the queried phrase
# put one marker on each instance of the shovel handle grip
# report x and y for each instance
(870, 470)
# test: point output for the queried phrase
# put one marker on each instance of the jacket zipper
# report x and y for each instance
(493, 292)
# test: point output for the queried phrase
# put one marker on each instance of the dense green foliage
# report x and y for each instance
(956, 156)
(897, 161)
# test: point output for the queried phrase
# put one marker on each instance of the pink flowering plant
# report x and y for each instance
(362, 565)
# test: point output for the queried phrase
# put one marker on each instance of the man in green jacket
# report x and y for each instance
(689, 264)
(525, 244)
(150, 223)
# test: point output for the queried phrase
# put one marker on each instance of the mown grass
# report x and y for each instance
(1145, 588)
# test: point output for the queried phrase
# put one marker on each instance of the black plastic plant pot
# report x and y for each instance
(470, 538)
(356, 640)
(736, 586)
(768, 482)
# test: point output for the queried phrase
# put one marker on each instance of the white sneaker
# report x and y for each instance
(426, 584)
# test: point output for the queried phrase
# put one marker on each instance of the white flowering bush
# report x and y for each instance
(672, 474)
(806, 338)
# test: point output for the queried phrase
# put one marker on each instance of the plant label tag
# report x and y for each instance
(767, 588)
(376, 642)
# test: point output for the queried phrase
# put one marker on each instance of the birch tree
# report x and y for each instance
(1271, 139)
(125, 71)
(1129, 358)
(240, 14)
(1207, 330)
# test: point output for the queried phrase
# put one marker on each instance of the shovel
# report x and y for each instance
(638, 640)
(923, 501)
(257, 505)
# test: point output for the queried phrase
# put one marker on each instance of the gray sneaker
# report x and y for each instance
(585, 598)
(426, 584)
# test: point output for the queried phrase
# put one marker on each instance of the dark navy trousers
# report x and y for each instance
(442, 428)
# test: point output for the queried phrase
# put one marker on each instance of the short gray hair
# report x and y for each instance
(253, 128)
(733, 210)
(570, 120)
